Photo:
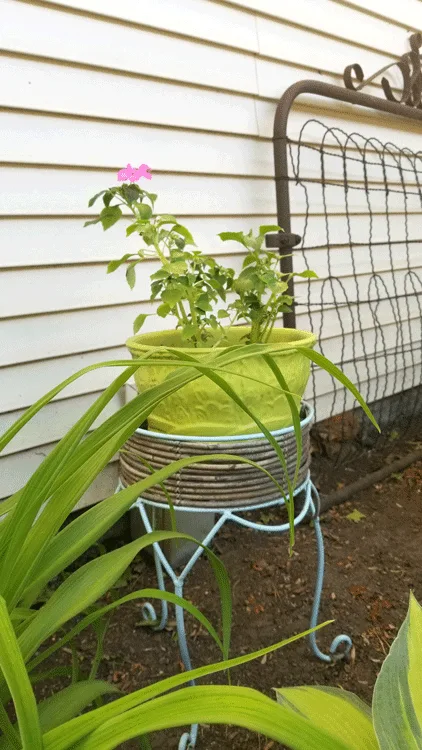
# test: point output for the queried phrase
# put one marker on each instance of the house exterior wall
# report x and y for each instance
(189, 87)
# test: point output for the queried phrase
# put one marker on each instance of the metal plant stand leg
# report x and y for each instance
(149, 613)
(188, 740)
(341, 640)
(310, 507)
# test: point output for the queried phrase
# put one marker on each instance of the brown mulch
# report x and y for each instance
(372, 562)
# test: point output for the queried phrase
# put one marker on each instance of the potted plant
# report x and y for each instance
(213, 309)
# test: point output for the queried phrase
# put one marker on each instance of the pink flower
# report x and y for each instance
(125, 173)
(133, 174)
(144, 171)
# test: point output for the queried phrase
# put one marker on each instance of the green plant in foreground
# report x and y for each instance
(313, 718)
(35, 548)
(190, 286)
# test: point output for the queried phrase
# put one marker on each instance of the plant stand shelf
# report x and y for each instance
(341, 645)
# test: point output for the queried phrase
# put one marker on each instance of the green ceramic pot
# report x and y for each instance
(201, 407)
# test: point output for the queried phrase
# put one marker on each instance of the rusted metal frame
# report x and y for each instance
(328, 91)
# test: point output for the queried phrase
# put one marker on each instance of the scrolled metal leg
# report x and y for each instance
(149, 613)
(187, 740)
(341, 640)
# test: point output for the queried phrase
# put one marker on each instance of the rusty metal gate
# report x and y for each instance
(367, 230)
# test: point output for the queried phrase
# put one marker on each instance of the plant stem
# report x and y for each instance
(271, 316)
(161, 255)
(196, 337)
(182, 312)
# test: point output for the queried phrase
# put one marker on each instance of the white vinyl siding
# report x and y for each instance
(189, 87)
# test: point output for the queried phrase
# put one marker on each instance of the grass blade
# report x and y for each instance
(155, 594)
(13, 668)
(84, 531)
(218, 380)
(84, 725)
(9, 737)
(336, 373)
(38, 488)
(214, 704)
(89, 583)
(71, 701)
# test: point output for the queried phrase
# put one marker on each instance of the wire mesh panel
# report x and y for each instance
(357, 204)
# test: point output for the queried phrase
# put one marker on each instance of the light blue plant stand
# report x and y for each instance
(340, 647)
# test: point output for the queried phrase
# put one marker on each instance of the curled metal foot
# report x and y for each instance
(338, 642)
(188, 740)
(335, 654)
(149, 614)
(342, 645)
(150, 617)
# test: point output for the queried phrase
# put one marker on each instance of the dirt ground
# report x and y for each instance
(372, 561)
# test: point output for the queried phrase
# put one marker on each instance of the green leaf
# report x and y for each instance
(71, 701)
(25, 539)
(139, 321)
(92, 619)
(78, 728)
(172, 296)
(213, 704)
(247, 280)
(13, 668)
(131, 274)
(236, 236)
(130, 193)
(108, 197)
(355, 516)
(265, 228)
(294, 409)
(82, 588)
(180, 229)
(249, 259)
(166, 219)
(9, 738)
(163, 310)
(177, 268)
(144, 210)
(397, 701)
(132, 228)
(189, 330)
(69, 469)
(307, 274)
(344, 718)
(333, 370)
(223, 314)
(203, 302)
(162, 273)
(72, 541)
(180, 243)
(95, 197)
(115, 264)
(109, 215)
(92, 221)
(220, 381)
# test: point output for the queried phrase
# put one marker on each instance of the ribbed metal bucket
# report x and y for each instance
(218, 484)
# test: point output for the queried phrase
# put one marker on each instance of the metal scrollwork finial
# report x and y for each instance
(410, 68)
